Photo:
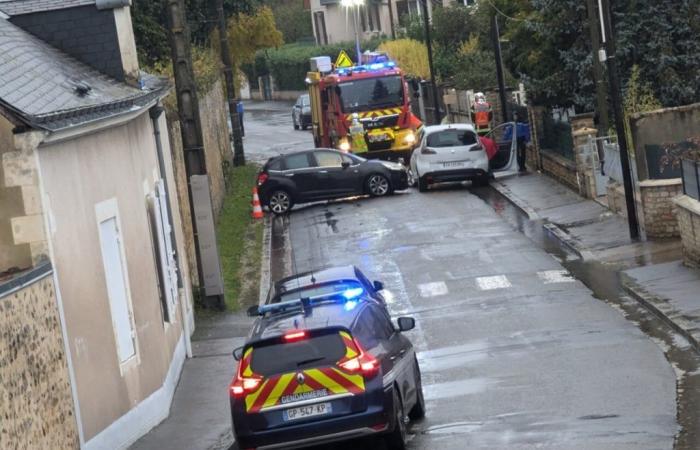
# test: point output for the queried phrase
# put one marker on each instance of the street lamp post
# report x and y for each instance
(355, 5)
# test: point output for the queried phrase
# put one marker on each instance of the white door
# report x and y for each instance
(117, 288)
(506, 145)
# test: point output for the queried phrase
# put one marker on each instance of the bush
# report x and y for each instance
(410, 55)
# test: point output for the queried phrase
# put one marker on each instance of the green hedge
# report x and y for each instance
(289, 64)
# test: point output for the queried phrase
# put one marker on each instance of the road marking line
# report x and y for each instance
(555, 276)
(491, 283)
(433, 289)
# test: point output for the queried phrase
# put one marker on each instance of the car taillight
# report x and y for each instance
(262, 178)
(364, 363)
(241, 385)
(428, 151)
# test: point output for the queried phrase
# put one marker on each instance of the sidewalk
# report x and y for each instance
(200, 417)
(651, 272)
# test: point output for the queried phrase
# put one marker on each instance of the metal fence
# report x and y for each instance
(690, 172)
(556, 135)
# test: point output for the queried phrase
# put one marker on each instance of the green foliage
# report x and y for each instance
(292, 20)
(412, 27)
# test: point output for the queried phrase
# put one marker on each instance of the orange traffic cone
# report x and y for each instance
(257, 209)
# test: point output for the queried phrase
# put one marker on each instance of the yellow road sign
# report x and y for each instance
(343, 60)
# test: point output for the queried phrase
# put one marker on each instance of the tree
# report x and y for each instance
(410, 55)
(292, 20)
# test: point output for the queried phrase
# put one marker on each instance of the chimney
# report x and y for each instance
(98, 33)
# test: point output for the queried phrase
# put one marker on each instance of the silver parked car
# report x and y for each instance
(455, 153)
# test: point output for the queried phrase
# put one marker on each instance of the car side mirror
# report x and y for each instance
(406, 323)
(378, 286)
(252, 311)
(345, 164)
(238, 353)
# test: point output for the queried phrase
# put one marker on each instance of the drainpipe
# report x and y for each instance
(155, 113)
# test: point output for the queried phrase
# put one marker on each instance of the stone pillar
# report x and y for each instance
(586, 157)
(689, 227)
(658, 207)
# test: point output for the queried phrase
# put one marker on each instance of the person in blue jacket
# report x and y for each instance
(522, 134)
(239, 108)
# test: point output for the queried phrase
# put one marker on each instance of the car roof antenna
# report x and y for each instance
(313, 279)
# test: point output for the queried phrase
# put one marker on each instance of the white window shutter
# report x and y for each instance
(168, 236)
(162, 253)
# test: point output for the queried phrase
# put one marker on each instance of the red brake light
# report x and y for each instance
(262, 178)
(243, 385)
(295, 336)
(364, 363)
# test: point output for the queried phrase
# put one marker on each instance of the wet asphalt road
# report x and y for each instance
(515, 352)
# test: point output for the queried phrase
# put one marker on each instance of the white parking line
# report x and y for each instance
(433, 289)
(555, 276)
(491, 283)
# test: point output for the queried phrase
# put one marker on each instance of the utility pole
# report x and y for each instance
(609, 54)
(426, 24)
(499, 69)
(601, 87)
(238, 152)
(190, 123)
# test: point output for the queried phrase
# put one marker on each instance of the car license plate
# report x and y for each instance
(453, 164)
(378, 137)
(302, 412)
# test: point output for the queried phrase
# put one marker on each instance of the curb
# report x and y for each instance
(656, 306)
(265, 263)
(515, 200)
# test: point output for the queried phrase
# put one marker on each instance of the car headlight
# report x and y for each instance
(410, 138)
(344, 146)
(392, 165)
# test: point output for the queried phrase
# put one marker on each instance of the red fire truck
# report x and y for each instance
(364, 109)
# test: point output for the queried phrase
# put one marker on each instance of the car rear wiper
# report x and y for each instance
(309, 361)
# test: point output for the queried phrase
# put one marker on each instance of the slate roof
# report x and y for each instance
(42, 85)
(19, 7)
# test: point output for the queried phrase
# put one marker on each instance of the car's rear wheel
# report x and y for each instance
(294, 120)
(280, 202)
(422, 184)
(481, 181)
(418, 410)
(378, 185)
(396, 439)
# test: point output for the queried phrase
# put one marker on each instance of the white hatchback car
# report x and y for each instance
(454, 153)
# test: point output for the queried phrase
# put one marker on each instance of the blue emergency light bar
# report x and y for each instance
(366, 68)
(349, 297)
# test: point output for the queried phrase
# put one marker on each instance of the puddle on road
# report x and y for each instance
(605, 283)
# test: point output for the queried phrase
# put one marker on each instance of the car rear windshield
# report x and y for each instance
(317, 291)
(317, 351)
(451, 138)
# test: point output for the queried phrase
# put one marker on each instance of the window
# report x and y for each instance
(116, 279)
(166, 262)
(375, 22)
(275, 164)
(320, 23)
(372, 327)
(451, 138)
(316, 351)
(328, 159)
(297, 161)
(349, 160)
(383, 92)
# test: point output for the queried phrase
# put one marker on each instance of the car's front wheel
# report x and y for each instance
(280, 202)
(396, 439)
(412, 181)
(418, 410)
(378, 185)
(294, 121)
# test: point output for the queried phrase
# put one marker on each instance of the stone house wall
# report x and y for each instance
(689, 226)
(36, 403)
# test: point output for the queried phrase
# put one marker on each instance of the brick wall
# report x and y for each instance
(36, 404)
(689, 226)
(85, 33)
(659, 210)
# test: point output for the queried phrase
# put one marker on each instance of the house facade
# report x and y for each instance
(90, 228)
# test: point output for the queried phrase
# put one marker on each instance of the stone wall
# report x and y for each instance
(658, 209)
(559, 168)
(36, 404)
(218, 154)
(689, 225)
(22, 238)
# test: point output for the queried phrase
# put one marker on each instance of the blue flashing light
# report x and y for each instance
(350, 305)
(353, 293)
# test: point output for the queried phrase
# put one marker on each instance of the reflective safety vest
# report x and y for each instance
(357, 135)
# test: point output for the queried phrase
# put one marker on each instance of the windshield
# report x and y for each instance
(371, 93)
(304, 100)
(451, 138)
